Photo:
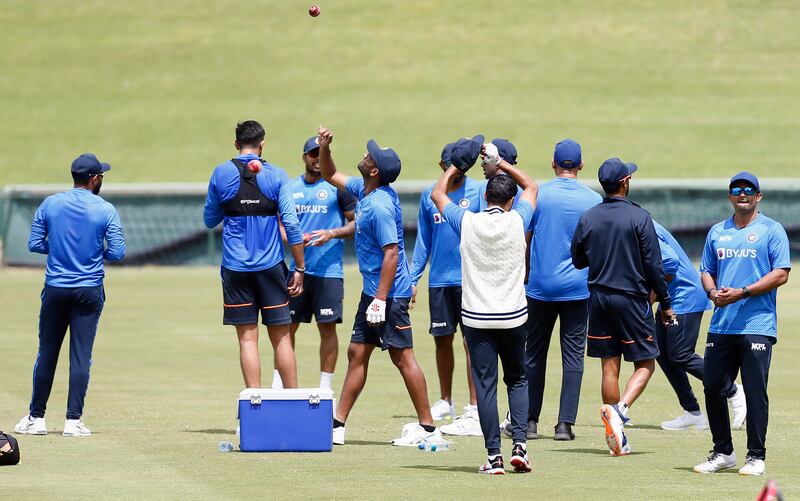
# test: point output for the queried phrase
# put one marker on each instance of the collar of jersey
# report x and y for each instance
(494, 210)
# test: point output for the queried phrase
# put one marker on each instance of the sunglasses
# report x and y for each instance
(748, 191)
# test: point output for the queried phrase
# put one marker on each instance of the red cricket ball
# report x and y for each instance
(313, 11)
(254, 166)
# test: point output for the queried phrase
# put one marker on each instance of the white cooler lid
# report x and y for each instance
(286, 394)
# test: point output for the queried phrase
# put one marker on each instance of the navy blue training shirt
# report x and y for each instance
(73, 228)
(617, 241)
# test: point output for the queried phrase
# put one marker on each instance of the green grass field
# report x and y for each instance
(685, 89)
(166, 376)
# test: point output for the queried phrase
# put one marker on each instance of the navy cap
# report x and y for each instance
(311, 144)
(506, 150)
(567, 150)
(447, 154)
(613, 171)
(746, 177)
(466, 152)
(88, 165)
(386, 159)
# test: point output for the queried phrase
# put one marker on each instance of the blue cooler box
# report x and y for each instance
(291, 420)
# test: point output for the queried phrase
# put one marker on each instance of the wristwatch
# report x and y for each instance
(299, 270)
(745, 292)
(708, 292)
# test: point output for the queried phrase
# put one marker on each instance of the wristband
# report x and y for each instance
(708, 292)
(299, 270)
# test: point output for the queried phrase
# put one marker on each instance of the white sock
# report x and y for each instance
(277, 383)
(623, 408)
(326, 380)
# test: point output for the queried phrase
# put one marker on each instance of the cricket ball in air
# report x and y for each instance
(313, 11)
(254, 166)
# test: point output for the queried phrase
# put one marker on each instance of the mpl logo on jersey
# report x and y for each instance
(725, 253)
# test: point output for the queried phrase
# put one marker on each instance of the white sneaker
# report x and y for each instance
(31, 426)
(338, 435)
(467, 424)
(614, 430)
(686, 421)
(414, 434)
(443, 409)
(715, 462)
(739, 405)
(75, 428)
(753, 466)
(531, 432)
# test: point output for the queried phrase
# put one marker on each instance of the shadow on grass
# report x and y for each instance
(644, 427)
(690, 470)
(409, 416)
(596, 452)
(462, 469)
(212, 431)
(367, 442)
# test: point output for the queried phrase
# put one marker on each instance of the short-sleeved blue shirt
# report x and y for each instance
(738, 257)
(379, 222)
(321, 206)
(559, 207)
(437, 240)
(685, 288)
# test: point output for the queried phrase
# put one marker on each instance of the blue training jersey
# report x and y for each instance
(321, 206)
(559, 206)
(737, 257)
(379, 222)
(437, 240)
(685, 288)
(482, 195)
(251, 243)
(73, 229)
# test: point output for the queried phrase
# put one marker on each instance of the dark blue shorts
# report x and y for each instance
(394, 333)
(245, 293)
(620, 324)
(445, 307)
(322, 297)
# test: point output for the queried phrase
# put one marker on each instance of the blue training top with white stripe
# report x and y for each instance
(738, 257)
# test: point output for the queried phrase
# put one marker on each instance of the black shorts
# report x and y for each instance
(394, 333)
(620, 324)
(245, 293)
(445, 307)
(321, 296)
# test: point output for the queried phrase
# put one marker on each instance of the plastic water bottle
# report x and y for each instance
(437, 446)
(225, 446)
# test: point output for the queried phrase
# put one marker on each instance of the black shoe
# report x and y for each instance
(519, 459)
(532, 431)
(493, 466)
(564, 432)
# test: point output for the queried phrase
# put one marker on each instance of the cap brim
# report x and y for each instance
(632, 167)
(479, 139)
(104, 167)
(374, 151)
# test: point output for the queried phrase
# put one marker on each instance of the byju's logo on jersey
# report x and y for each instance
(438, 218)
(752, 237)
(322, 194)
(463, 203)
(725, 253)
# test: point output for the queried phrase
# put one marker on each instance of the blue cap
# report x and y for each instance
(447, 154)
(311, 144)
(567, 150)
(386, 159)
(466, 152)
(88, 165)
(506, 150)
(613, 171)
(746, 177)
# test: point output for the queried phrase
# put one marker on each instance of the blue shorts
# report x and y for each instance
(321, 296)
(620, 324)
(245, 293)
(394, 333)
(445, 307)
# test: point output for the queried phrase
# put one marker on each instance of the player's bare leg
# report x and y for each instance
(358, 364)
(404, 360)
(609, 387)
(638, 381)
(285, 362)
(292, 330)
(328, 347)
(248, 354)
(445, 364)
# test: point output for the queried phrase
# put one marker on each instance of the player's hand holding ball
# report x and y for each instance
(376, 312)
(490, 154)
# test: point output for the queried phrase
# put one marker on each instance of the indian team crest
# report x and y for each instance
(752, 237)
(322, 194)
(463, 203)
